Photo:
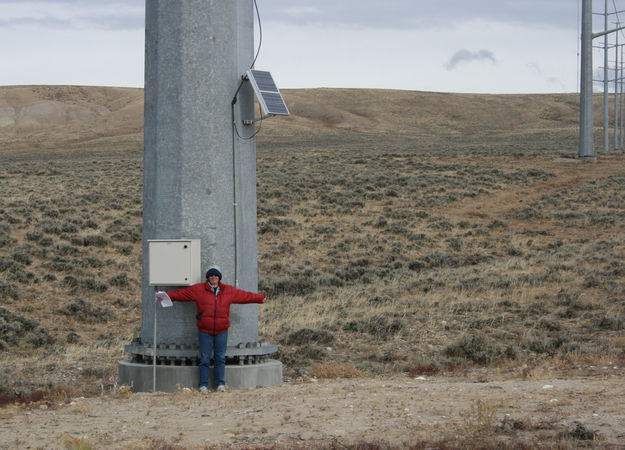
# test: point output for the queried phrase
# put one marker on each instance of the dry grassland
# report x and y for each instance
(401, 235)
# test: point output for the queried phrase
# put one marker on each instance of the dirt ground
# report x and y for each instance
(396, 412)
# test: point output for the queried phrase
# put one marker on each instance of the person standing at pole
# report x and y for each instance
(213, 300)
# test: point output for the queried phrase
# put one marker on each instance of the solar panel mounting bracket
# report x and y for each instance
(257, 119)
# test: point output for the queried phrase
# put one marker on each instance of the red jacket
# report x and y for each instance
(213, 312)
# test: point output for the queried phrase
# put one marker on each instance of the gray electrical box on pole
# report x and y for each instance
(199, 183)
(174, 262)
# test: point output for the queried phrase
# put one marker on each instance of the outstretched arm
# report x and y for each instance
(241, 296)
(183, 295)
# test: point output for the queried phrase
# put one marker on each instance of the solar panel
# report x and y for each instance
(268, 94)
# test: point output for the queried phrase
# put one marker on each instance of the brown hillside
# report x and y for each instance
(105, 119)
(49, 119)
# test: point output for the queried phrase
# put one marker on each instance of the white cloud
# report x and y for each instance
(72, 57)
(416, 59)
(508, 46)
(302, 11)
(79, 14)
(464, 56)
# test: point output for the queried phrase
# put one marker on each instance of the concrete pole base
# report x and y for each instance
(174, 378)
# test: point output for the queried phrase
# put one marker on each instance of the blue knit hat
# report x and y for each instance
(213, 270)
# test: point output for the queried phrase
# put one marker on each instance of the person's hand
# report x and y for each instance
(162, 297)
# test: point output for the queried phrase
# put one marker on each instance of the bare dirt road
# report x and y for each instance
(391, 413)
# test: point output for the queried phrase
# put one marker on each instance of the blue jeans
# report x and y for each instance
(217, 344)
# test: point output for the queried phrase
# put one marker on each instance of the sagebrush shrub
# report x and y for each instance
(84, 311)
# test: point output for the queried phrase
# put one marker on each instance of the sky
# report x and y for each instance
(472, 46)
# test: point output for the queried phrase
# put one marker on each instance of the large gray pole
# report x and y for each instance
(616, 93)
(606, 85)
(200, 179)
(196, 53)
(620, 130)
(586, 148)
